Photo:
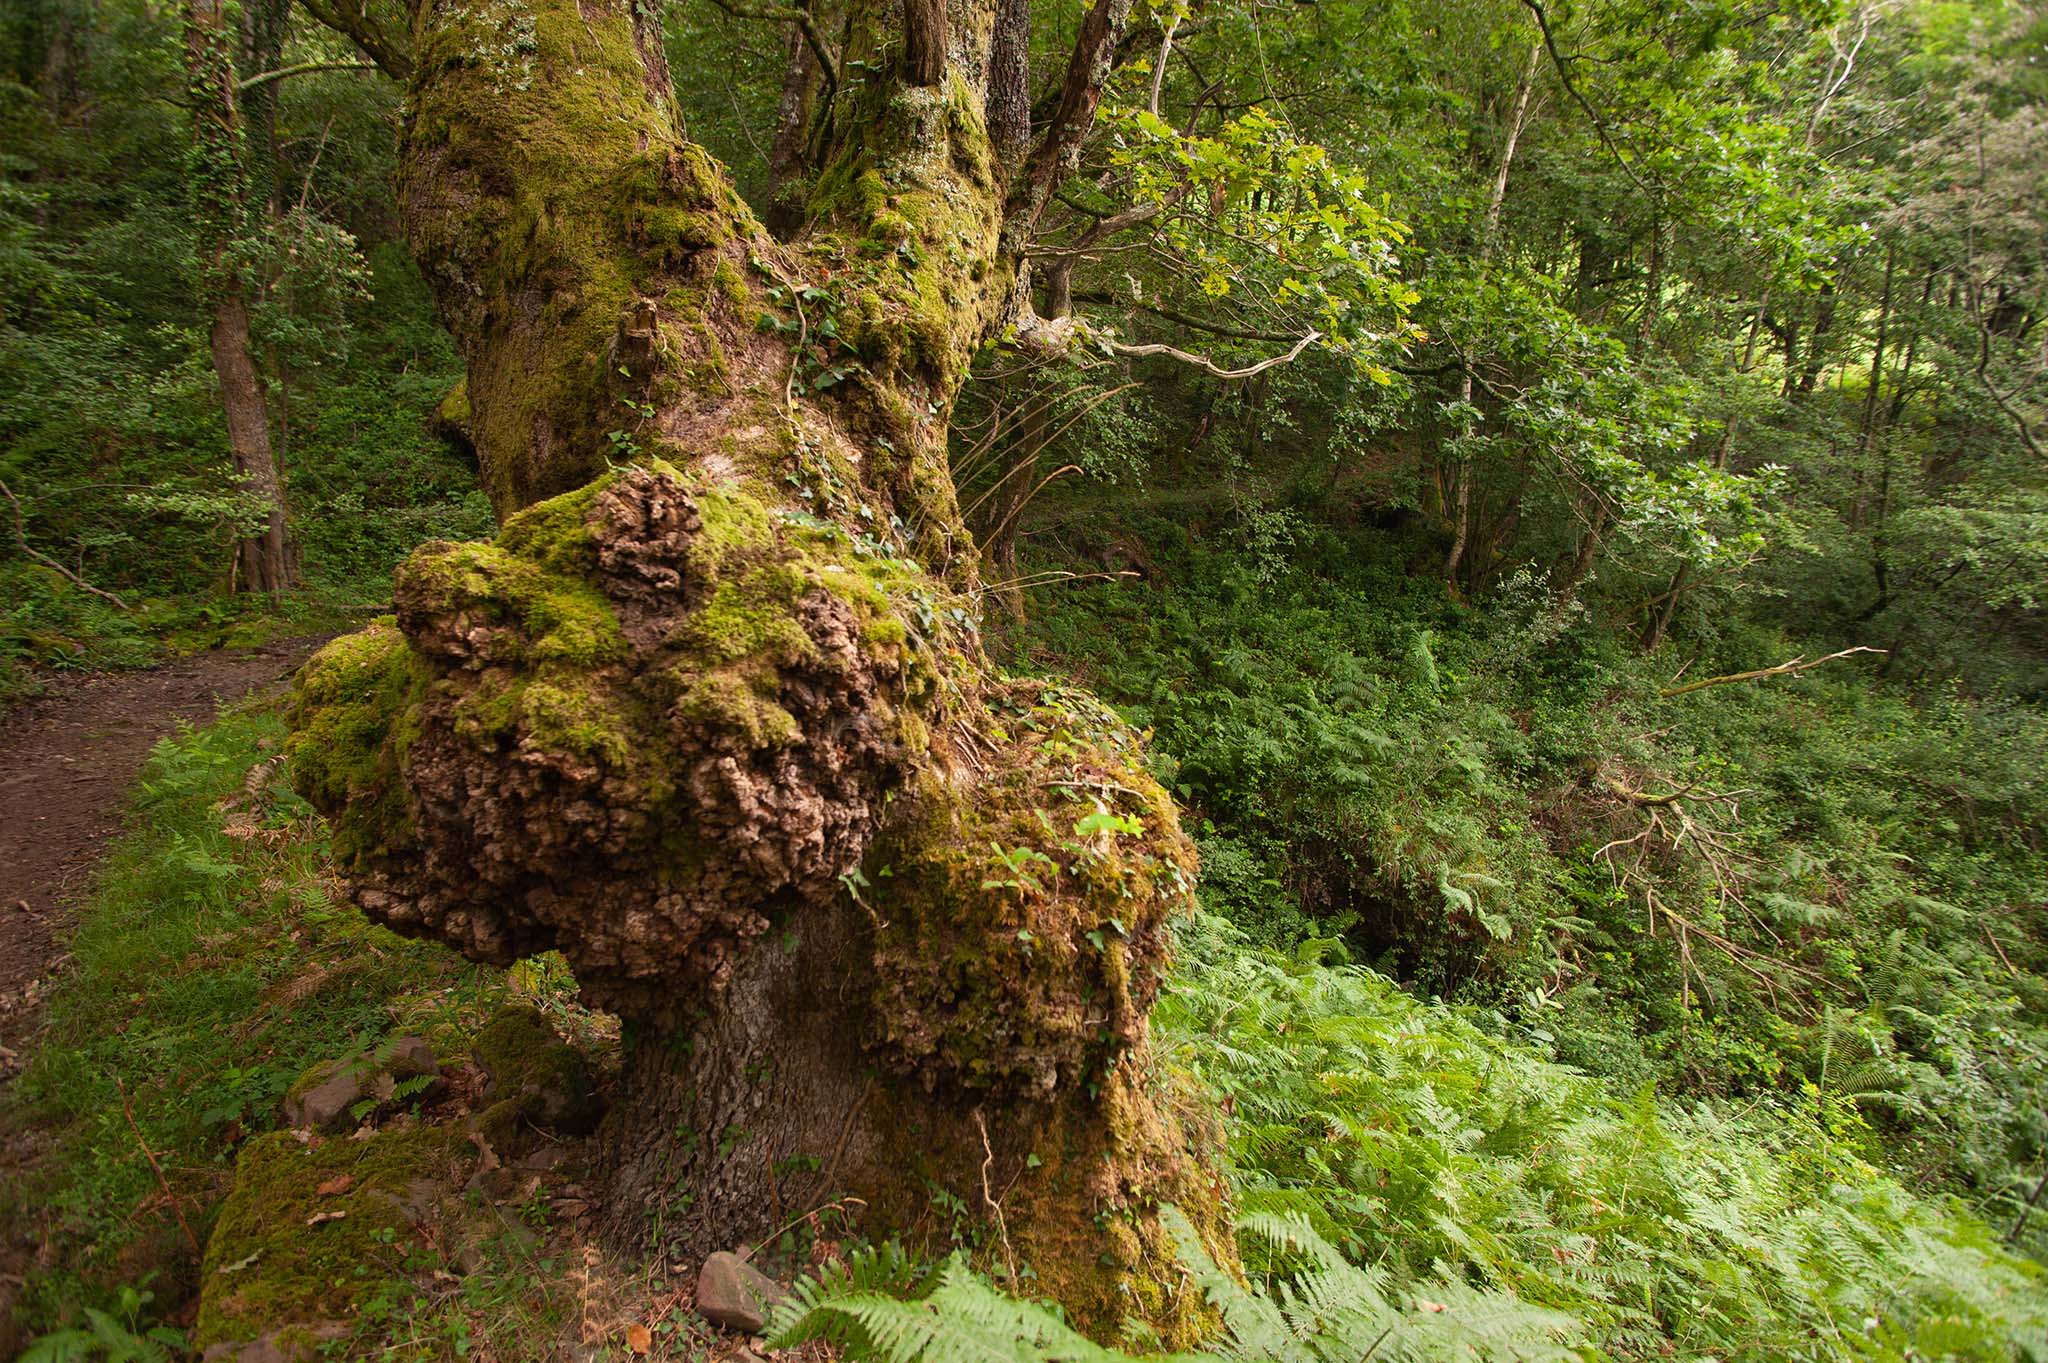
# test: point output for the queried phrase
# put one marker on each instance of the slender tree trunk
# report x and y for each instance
(219, 179)
(786, 162)
(1880, 534)
(1664, 611)
(718, 725)
(266, 563)
(1800, 384)
(1489, 227)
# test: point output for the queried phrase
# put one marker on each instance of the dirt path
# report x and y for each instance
(67, 761)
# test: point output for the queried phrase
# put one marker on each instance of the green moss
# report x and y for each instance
(351, 715)
(454, 408)
(285, 1253)
(1040, 894)
(751, 617)
(730, 700)
(536, 1078)
(583, 721)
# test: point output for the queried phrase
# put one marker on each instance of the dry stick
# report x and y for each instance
(128, 1111)
(1992, 938)
(21, 535)
(1793, 667)
(1026, 462)
(2013, 1235)
(1004, 524)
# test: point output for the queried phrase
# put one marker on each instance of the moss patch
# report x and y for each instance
(536, 1078)
(1022, 921)
(286, 1253)
(351, 724)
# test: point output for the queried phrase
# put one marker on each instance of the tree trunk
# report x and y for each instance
(265, 557)
(1663, 612)
(219, 178)
(712, 715)
(1489, 227)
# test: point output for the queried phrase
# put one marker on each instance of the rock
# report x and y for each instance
(323, 1098)
(733, 1293)
(536, 1080)
(407, 1057)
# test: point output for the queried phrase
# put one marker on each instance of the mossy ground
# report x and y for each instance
(211, 968)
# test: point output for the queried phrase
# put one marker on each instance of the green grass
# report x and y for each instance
(210, 968)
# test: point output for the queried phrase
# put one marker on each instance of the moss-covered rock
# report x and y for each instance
(535, 1080)
(312, 1227)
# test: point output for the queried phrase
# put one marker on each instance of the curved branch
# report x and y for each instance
(1564, 75)
(1791, 668)
(21, 536)
(1183, 319)
(1209, 366)
(352, 20)
(789, 14)
(302, 69)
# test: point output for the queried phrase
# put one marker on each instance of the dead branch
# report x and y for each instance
(128, 1111)
(1790, 668)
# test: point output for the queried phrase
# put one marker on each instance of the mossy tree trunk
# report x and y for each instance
(218, 173)
(712, 717)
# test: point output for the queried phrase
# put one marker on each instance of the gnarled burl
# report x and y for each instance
(710, 717)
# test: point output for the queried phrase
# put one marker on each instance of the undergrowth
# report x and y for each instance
(209, 969)
(1412, 1188)
(1745, 892)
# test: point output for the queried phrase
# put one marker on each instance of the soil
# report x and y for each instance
(67, 762)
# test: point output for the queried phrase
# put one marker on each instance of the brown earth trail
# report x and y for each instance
(67, 762)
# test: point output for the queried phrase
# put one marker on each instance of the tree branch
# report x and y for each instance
(1209, 366)
(1193, 323)
(789, 14)
(1088, 67)
(1791, 668)
(1564, 75)
(302, 69)
(21, 535)
(355, 24)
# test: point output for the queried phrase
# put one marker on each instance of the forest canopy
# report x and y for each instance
(1313, 680)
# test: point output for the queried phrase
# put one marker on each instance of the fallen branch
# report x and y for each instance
(21, 535)
(1791, 668)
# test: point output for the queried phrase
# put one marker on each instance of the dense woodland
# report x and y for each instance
(1280, 681)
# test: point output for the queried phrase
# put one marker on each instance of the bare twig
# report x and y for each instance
(177, 1210)
(21, 535)
(995, 1205)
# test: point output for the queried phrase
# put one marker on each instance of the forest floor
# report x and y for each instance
(68, 761)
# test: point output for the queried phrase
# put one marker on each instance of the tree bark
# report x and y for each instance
(712, 716)
(265, 557)
(219, 177)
